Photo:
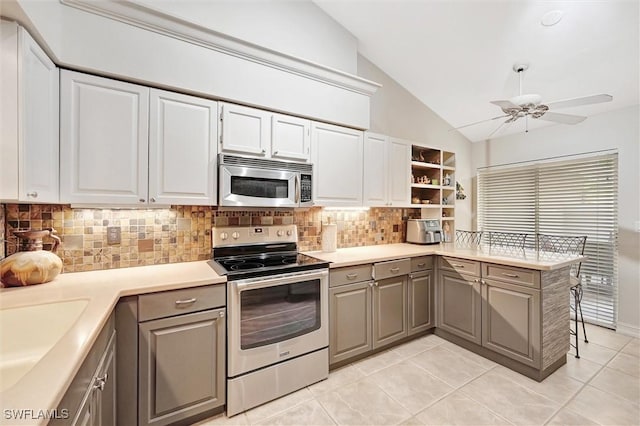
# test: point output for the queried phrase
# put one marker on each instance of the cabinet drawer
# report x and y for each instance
(421, 263)
(393, 268)
(178, 302)
(461, 266)
(349, 275)
(511, 274)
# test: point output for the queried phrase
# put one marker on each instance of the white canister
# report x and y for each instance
(329, 237)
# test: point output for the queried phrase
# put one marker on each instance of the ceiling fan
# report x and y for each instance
(530, 105)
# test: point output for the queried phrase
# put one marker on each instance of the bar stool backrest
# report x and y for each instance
(468, 238)
(507, 239)
(563, 244)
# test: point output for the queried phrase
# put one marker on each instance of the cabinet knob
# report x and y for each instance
(101, 382)
(274, 152)
(142, 200)
(153, 200)
(32, 194)
(264, 151)
(221, 314)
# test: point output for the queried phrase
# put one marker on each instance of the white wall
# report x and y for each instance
(396, 112)
(615, 130)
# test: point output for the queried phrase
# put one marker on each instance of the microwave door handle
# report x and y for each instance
(297, 201)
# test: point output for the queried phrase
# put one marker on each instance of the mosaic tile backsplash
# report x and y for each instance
(182, 233)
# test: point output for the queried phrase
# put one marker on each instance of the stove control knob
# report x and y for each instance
(280, 233)
(235, 235)
(224, 236)
(288, 232)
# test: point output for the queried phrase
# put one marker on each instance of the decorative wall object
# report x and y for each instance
(460, 192)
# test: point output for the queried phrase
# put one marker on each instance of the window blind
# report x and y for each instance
(569, 196)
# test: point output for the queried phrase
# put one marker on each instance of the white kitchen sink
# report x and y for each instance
(27, 333)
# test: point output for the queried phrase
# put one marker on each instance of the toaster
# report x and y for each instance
(424, 231)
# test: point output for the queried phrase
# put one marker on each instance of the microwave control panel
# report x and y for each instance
(305, 188)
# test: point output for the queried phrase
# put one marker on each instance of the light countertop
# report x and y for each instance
(45, 384)
(530, 259)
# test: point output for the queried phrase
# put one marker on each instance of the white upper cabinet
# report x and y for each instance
(399, 169)
(29, 137)
(244, 130)
(126, 144)
(264, 134)
(387, 171)
(290, 137)
(337, 155)
(183, 132)
(376, 169)
(104, 140)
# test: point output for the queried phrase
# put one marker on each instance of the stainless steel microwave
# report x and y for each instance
(257, 182)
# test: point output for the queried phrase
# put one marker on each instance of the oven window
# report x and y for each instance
(275, 314)
(259, 187)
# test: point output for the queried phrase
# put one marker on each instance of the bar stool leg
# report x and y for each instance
(584, 330)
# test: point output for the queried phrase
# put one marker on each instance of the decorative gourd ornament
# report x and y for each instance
(31, 264)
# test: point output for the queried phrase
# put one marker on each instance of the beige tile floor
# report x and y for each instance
(430, 381)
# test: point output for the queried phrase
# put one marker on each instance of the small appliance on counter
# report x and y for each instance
(424, 231)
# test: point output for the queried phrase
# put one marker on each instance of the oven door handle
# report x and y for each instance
(260, 282)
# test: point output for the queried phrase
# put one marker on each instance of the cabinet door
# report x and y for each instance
(104, 140)
(39, 99)
(349, 321)
(29, 136)
(376, 170)
(337, 165)
(420, 289)
(290, 137)
(244, 130)
(182, 149)
(389, 310)
(182, 366)
(511, 321)
(105, 389)
(399, 170)
(459, 305)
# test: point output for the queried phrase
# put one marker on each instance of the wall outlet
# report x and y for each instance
(113, 235)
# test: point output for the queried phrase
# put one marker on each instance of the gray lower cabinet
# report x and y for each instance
(91, 398)
(349, 320)
(172, 356)
(99, 406)
(389, 310)
(459, 305)
(511, 321)
(182, 366)
(420, 301)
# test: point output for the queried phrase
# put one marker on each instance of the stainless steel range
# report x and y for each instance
(277, 304)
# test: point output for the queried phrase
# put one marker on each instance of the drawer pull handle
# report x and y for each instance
(101, 382)
(511, 275)
(456, 265)
(394, 270)
(352, 276)
(421, 265)
(186, 302)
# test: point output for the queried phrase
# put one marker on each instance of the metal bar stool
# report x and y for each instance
(571, 245)
(468, 238)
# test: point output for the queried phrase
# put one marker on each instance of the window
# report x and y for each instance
(574, 195)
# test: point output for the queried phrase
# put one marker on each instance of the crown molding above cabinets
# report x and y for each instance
(277, 76)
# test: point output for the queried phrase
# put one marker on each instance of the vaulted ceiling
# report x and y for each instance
(456, 56)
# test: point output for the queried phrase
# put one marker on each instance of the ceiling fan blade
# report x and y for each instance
(562, 118)
(505, 104)
(585, 100)
(478, 122)
(502, 126)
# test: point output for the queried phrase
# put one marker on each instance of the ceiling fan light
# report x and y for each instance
(530, 100)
